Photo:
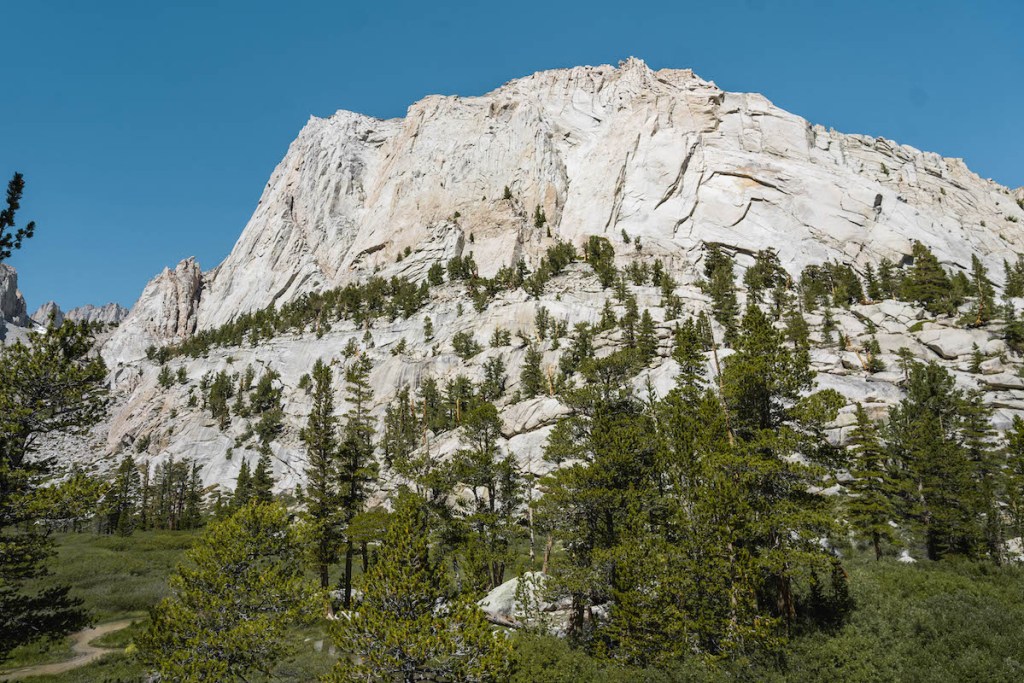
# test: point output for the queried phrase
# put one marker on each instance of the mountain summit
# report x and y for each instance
(661, 155)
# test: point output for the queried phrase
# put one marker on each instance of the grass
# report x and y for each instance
(933, 622)
(118, 577)
(115, 577)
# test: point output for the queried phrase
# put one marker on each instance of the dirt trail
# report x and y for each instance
(84, 652)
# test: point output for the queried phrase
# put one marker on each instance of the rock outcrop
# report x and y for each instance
(12, 303)
(165, 313)
(663, 158)
(46, 312)
(107, 314)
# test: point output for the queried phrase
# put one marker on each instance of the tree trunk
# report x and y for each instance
(348, 574)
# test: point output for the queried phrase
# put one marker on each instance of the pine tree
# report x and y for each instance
(357, 467)
(243, 486)
(1014, 477)
(323, 515)
(629, 322)
(647, 338)
(11, 239)
(232, 601)
(531, 378)
(122, 503)
(721, 286)
(1014, 278)
(496, 486)
(399, 633)
(872, 502)
(262, 483)
(764, 275)
(983, 292)
(51, 385)
(927, 283)
(923, 435)
(984, 500)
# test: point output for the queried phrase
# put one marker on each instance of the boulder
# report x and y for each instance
(952, 343)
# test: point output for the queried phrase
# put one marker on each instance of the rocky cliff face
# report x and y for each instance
(46, 312)
(12, 304)
(107, 314)
(665, 158)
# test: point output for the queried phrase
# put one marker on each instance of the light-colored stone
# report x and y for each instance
(950, 343)
(12, 303)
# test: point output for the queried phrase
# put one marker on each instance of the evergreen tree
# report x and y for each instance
(357, 467)
(11, 239)
(985, 499)
(764, 275)
(872, 502)
(1014, 477)
(890, 280)
(243, 486)
(262, 482)
(493, 386)
(983, 292)
(872, 285)
(923, 434)
(122, 505)
(1014, 278)
(323, 515)
(647, 338)
(399, 632)
(531, 379)
(721, 287)
(927, 283)
(629, 322)
(232, 601)
(496, 486)
(51, 385)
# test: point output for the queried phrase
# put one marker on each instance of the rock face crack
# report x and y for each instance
(747, 176)
(746, 210)
(674, 187)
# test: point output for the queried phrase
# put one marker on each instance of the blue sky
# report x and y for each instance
(146, 131)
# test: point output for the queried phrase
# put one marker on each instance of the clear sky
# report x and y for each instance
(147, 130)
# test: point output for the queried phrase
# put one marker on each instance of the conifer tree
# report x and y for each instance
(323, 515)
(985, 499)
(721, 287)
(927, 282)
(11, 239)
(764, 275)
(923, 434)
(232, 601)
(495, 482)
(872, 502)
(243, 486)
(983, 292)
(647, 338)
(1014, 476)
(399, 632)
(262, 483)
(531, 378)
(51, 385)
(629, 322)
(122, 503)
(356, 467)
